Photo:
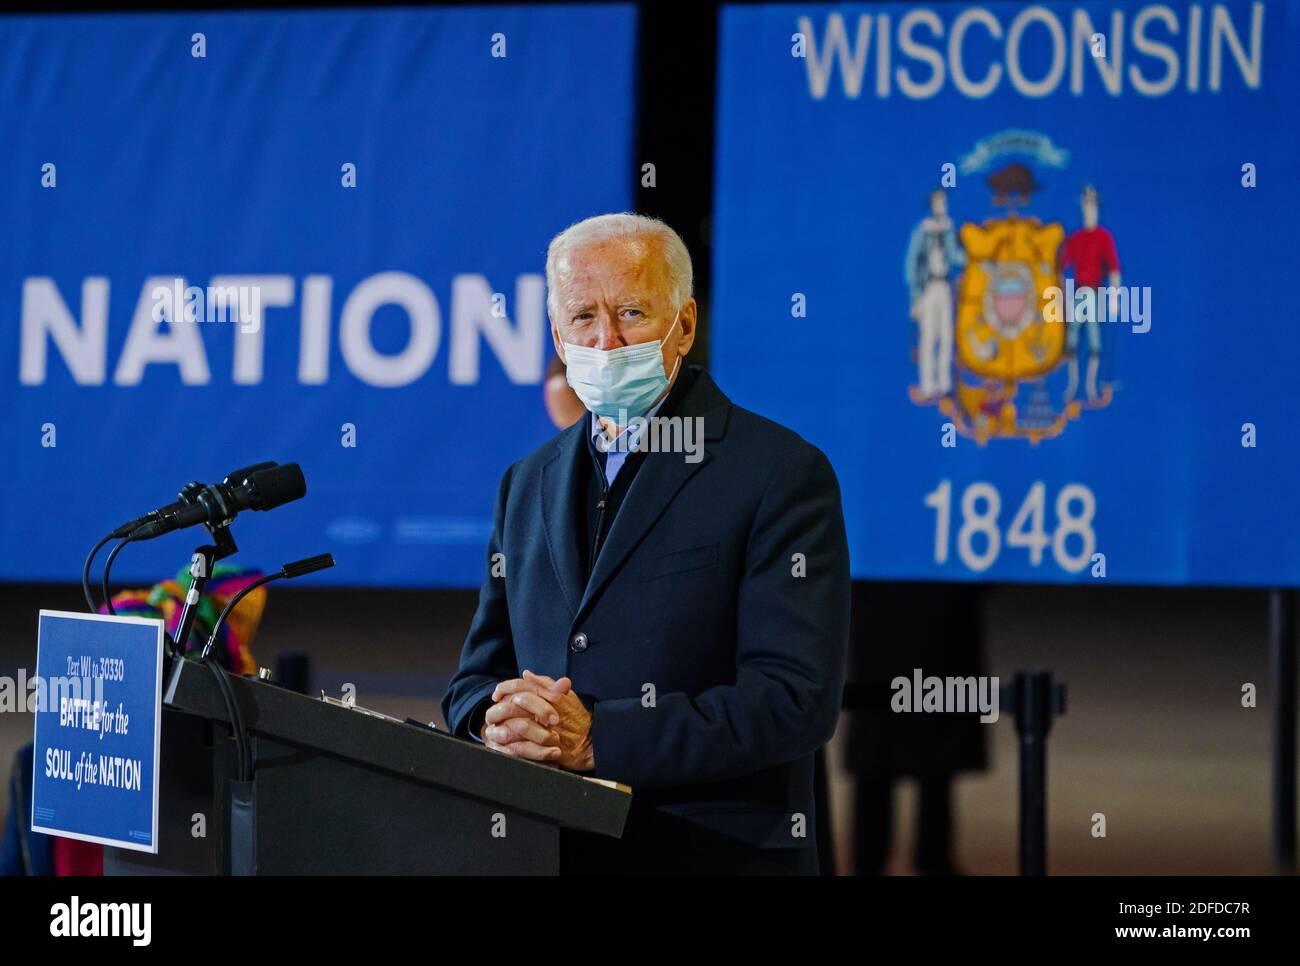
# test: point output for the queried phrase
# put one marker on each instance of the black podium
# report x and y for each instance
(337, 790)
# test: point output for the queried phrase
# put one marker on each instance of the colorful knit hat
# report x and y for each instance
(165, 600)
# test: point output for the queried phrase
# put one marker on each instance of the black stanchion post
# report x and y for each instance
(1282, 657)
(293, 671)
(1036, 701)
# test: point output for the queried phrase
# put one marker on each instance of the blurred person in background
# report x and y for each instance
(562, 403)
(899, 627)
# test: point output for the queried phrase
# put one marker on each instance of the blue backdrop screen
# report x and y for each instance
(1075, 359)
(310, 236)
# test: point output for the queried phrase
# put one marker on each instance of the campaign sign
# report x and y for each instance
(311, 236)
(1023, 272)
(99, 705)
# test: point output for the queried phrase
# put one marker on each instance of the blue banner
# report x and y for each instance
(300, 236)
(98, 711)
(1023, 272)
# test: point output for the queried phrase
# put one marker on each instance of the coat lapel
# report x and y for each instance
(560, 497)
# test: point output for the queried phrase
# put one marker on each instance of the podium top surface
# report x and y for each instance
(435, 757)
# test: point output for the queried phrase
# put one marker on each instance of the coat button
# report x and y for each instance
(579, 643)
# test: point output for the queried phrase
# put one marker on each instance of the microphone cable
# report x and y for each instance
(108, 568)
(85, 574)
(238, 731)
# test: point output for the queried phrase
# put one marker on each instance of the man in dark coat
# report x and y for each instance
(666, 599)
(898, 627)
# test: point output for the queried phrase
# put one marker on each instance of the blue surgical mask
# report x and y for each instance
(620, 383)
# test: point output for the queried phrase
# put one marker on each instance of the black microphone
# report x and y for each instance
(217, 504)
(187, 496)
(298, 568)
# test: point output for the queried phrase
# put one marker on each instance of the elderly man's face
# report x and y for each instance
(617, 293)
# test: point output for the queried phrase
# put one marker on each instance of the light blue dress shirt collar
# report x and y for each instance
(616, 457)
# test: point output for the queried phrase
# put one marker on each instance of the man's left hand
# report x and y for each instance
(573, 728)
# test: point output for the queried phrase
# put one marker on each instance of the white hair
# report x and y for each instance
(625, 225)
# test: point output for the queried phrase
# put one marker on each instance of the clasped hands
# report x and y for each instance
(541, 719)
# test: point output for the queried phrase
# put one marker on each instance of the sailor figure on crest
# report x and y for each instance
(933, 259)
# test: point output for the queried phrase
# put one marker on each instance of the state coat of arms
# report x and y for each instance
(987, 340)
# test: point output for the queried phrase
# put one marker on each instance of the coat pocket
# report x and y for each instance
(695, 558)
